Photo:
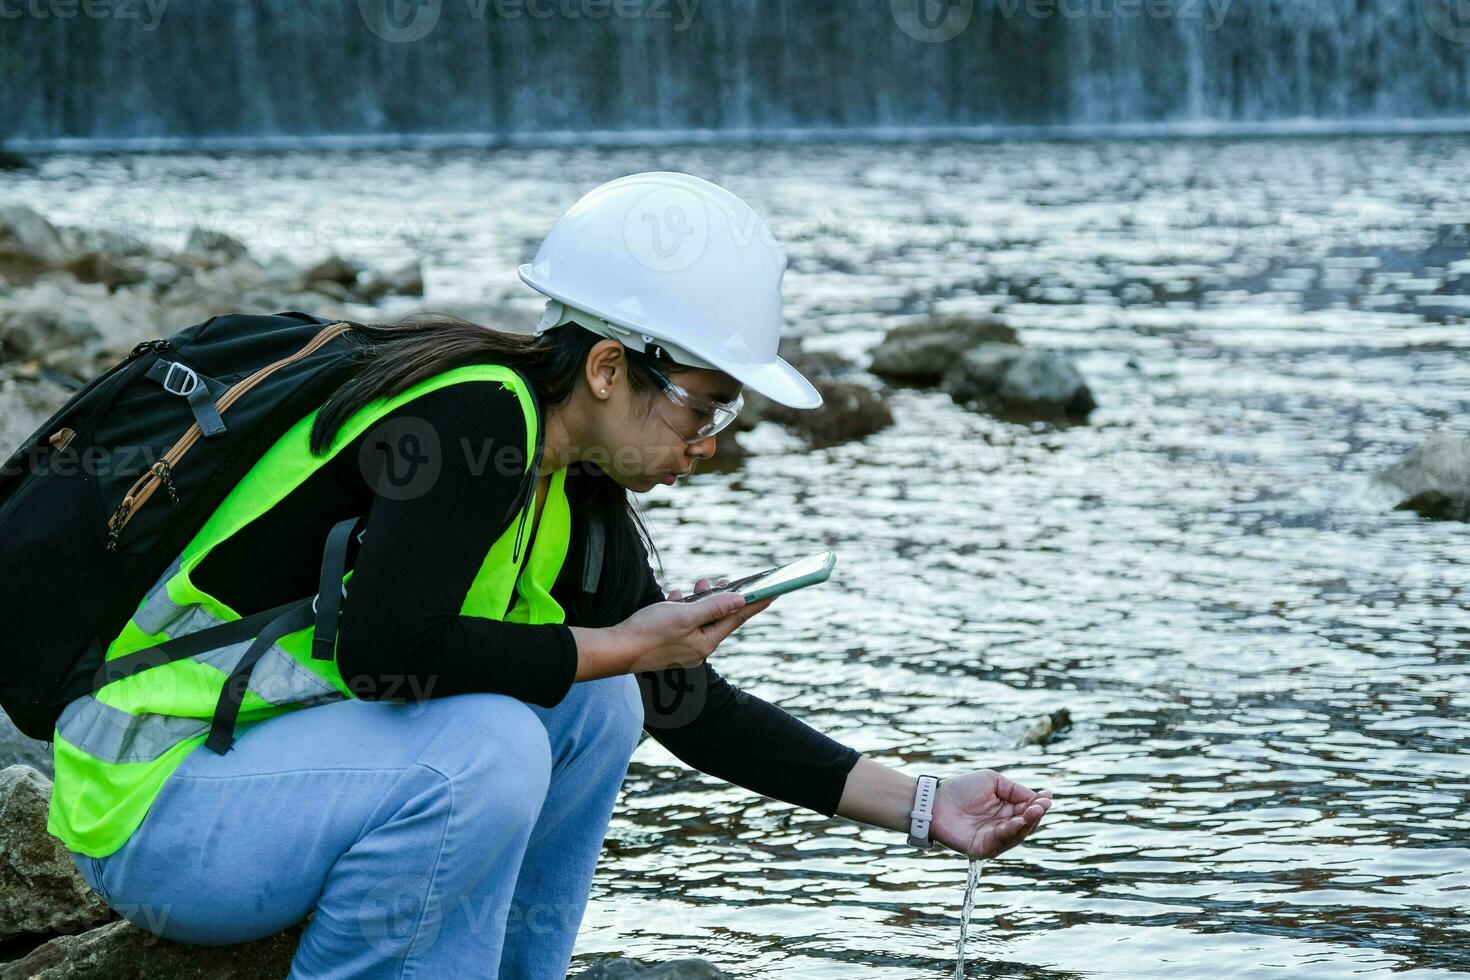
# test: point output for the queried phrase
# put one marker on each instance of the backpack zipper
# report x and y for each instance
(161, 472)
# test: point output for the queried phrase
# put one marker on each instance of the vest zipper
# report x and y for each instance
(161, 471)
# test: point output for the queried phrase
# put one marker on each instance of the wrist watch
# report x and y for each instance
(923, 812)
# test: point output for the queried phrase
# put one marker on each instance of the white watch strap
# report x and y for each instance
(923, 811)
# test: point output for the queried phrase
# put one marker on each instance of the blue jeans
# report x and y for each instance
(454, 837)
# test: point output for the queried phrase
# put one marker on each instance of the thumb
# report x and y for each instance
(716, 607)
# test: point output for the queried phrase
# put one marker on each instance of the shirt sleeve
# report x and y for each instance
(446, 470)
(719, 729)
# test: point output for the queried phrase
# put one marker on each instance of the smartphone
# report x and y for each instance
(776, 581)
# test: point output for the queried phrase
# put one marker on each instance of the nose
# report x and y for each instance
(704, 448)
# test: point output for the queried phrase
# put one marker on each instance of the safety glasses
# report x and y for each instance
(711, 416)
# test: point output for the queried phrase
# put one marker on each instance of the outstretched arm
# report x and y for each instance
(980, 814)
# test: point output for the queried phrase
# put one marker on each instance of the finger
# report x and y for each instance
(701, 585)
(712, 609)
(1012, 792)
(723, 581)
(753, 608)
(720, 630)
(675, 595)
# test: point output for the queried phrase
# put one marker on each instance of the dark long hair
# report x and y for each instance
(392, 357)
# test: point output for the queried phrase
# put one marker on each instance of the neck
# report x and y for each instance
(560, 447)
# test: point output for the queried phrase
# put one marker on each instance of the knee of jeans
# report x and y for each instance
(495, 748)
(620, 712)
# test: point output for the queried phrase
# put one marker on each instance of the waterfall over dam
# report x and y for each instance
(199, 71)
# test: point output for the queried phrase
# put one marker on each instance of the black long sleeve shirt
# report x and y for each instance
(437, 478)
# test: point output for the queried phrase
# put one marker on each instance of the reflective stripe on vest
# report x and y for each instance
(114, 749)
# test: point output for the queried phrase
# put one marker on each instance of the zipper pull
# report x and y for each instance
(146, 347)
(163, 472)
(117, 520)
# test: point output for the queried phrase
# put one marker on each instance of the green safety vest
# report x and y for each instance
(114, 749)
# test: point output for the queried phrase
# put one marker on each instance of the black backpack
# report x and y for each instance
(98, 502)
(100, 499)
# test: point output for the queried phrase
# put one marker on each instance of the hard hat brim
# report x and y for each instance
(777, 379)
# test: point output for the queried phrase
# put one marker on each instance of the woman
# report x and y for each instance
(433, 788)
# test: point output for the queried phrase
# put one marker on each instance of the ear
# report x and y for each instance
(606, 365)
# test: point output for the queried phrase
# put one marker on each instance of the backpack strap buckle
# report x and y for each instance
(179, 379)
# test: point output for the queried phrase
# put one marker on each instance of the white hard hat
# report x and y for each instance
(671, 259)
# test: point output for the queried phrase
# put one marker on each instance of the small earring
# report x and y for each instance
(602, 391)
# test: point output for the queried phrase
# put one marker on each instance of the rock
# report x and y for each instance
(214, 291)
(814, 364)
(24, 405)
(849, 411)
(110, 270)
(1011, 381)
(214, 245)
(16, 748)
(331, 269)
(1041, 732)
(920, 353)
(1434, 478)
(122, 951)
(28, 241)
(57, 318)
(400, 280)
(619, 968)
(33, 329)
(10, 160)
(40, 889)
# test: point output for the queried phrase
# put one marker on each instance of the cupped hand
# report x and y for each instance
(982, 814)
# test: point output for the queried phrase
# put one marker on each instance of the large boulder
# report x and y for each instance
(207, 246)
(406, 279)
(1434, 478)
(849, 411)
(122, 951)
(28, 242)
(41, 892)
(1013, 382)
(334, 269)
(40, 889)
(921, 353)
(62, 323)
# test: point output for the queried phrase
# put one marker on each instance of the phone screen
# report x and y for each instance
(775, 581)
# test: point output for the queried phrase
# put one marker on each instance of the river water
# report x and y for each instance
(1266, 667)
